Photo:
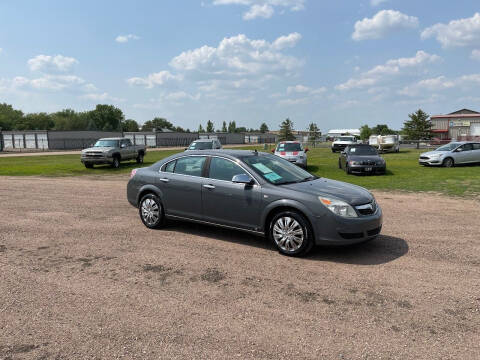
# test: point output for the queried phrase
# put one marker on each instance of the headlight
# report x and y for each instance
(338, 207)
(354, 163)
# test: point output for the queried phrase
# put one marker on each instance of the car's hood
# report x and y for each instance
(99, 149)
(433, 153)
(344, 142)
(364, 157)
(351, 194)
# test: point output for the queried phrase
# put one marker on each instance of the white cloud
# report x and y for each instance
(457, 33)
(126, 38)
(263, 8)
(382, 24)
(101, 97)
(265, 11)
(475, 55)
(440, 83)
(239, 55)
(152, 80)
(377, 2)
(391, 68)
(298, 89)
(49, 64)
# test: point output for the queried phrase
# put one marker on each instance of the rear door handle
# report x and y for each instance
(165, 180)
(208, 186)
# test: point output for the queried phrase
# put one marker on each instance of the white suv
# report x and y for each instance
(340, 143)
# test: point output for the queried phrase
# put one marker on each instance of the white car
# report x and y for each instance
(292, 151)
(454, 153)
(340, 143)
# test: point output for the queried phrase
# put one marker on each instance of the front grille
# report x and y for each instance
(424, 157)
(94, 155)
(368, 162)
(367, 209)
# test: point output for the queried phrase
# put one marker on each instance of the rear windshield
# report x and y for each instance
(289, 147)
(362, 150)
(201, 145)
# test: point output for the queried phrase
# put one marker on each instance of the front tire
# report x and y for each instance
(140, 159)
(116, 162)
(291, 233)
(89, 165)
(151, 211)
(448, 163)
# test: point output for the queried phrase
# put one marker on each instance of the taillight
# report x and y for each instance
(132, 174)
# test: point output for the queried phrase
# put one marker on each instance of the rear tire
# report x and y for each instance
(448, 162)
(151, 211)
(89, 165)
(116, 162)
(291, 233)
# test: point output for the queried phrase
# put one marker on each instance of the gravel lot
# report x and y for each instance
(82, 278)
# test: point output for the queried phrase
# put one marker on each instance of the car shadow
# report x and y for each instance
(381, 250)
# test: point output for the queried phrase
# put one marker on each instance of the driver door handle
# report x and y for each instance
(165, 180)
(208, 186)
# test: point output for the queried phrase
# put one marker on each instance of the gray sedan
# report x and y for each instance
(255, 192)
(452, 154)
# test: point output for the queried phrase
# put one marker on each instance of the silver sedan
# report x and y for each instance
(454, 153)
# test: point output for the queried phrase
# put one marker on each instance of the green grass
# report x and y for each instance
(403, 171)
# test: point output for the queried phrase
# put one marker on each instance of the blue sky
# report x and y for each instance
(340, 64)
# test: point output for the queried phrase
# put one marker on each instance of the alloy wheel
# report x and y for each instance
(288, 234)
(150, 212)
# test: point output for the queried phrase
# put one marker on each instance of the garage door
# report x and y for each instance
(475, 129)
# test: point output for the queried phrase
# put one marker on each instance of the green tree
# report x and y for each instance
(383, 129)
(9, 117)
(232, 127)
(365, 132)
(200, 129)
(313, 132)
(241, 129)
(224, 127)
(35, 121)
(130, 126)
(210, 127)
(158, 124)
(263, 128)
(418, 127)
(286, 130)
(106, 117)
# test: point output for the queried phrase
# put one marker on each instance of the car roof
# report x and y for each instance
(114, 138)
(205, 140)
(289, 142)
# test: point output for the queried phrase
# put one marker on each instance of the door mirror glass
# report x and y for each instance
(123, 145)
(242, 179)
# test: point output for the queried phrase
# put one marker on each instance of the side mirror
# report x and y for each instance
(459, 150)
(307, 150)
(123, 146)
(242, 179)
(273, 151)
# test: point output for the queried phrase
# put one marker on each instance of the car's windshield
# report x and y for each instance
(106, 143)
(289, 147)
(276, 170)
(345, 138)
(448, 147)
(201, 145)
(362, 150)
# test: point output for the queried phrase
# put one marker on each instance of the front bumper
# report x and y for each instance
(367, 169)
(96, 160)
(430, 162)
(331, 229)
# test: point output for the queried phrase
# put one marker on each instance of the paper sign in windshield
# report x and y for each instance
(268, 173)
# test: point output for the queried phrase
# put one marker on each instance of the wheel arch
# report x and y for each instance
(149, 189)
(285, 205)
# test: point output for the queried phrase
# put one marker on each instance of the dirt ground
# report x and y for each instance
(82, 278)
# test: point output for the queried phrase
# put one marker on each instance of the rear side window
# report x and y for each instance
(223, 169)
(170, 166)
(190, 165)
(476, 146)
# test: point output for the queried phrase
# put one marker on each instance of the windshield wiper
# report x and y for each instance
(310, 178)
